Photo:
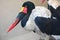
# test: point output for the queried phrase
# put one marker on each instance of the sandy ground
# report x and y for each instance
(27, 36)
(31, 36)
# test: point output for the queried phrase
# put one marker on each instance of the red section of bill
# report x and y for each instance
(13, 25)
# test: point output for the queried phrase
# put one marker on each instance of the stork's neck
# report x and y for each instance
(25, 19)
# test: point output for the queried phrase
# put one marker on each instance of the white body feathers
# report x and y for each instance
(39, 11)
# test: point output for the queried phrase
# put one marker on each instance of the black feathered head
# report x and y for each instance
(30, 6)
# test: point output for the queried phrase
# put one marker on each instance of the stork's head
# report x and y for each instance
(27, 8)
(29, 5)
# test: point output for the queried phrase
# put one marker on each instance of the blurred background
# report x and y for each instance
(9, 9)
